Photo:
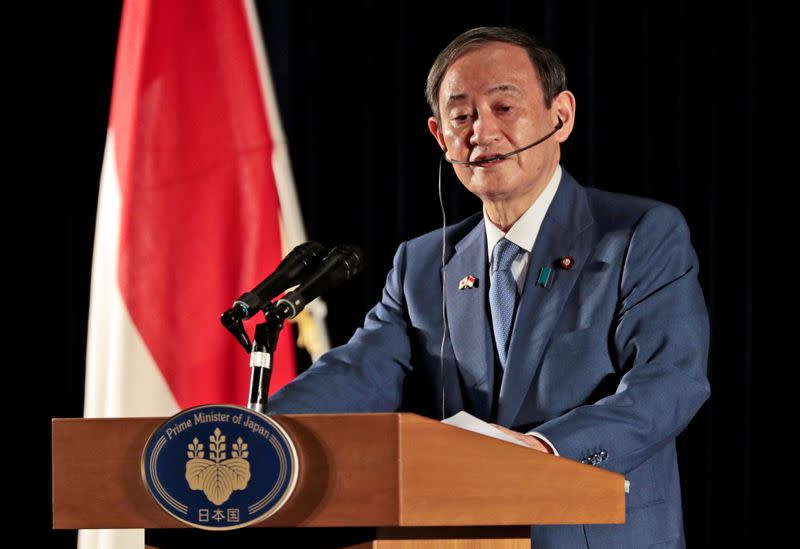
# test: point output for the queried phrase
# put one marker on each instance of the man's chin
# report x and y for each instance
(490, 187)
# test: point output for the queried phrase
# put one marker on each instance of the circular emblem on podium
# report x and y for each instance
(220, 467)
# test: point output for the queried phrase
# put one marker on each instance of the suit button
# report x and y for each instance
(585, 461)
(603, 454)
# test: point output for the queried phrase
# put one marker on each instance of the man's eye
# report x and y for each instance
(460, 118)
(504, 108)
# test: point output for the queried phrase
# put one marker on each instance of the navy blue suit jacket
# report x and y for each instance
(608, 362)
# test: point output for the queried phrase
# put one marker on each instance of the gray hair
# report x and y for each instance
(550, 68)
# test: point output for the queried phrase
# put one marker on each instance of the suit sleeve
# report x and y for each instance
(660, 340)
(364, 375)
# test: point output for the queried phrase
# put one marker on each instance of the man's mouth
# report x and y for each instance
(487, 160)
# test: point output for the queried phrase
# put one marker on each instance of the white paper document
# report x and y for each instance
(471, 423)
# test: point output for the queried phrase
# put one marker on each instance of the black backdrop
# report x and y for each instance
(675, 101)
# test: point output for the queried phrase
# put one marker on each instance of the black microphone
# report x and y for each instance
(341, 264)
(297, 264)
(506, 155)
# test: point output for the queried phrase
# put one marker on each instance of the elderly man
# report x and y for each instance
(583, 331)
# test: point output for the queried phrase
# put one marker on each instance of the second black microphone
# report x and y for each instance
(341, 264)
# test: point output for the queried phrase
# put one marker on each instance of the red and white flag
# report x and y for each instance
(194, 192)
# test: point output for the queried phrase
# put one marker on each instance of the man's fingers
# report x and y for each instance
(529, 440)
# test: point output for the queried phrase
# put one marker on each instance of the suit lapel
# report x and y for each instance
(563, 232)
(468, 320)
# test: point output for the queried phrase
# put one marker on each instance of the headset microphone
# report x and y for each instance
(506, 155)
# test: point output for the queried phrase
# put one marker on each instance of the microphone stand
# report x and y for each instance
(265, 342)
(339, 265)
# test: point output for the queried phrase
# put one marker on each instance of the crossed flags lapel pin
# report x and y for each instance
(468, 281)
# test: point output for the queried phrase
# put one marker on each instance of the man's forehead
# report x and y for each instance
(492, 68)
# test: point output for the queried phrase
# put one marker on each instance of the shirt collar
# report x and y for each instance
(523, 233)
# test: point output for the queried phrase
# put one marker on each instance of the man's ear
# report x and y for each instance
(564, 107)
(433, 126)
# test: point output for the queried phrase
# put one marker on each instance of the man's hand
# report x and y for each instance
(528, 440)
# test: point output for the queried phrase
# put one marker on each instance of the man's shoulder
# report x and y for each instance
(453, 234)
(617, 210)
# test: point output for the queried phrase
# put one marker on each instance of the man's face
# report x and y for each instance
(491, 102)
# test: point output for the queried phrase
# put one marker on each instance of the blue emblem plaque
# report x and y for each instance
(220, 467)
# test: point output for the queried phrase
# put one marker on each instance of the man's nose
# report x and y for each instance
(485, 129)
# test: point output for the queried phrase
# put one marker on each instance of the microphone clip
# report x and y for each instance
(232, 320)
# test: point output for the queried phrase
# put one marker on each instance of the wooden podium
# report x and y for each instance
(407, 480)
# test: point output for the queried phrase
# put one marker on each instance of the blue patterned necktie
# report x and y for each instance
(503, 295)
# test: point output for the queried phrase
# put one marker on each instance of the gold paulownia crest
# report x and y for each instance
(217, 477)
